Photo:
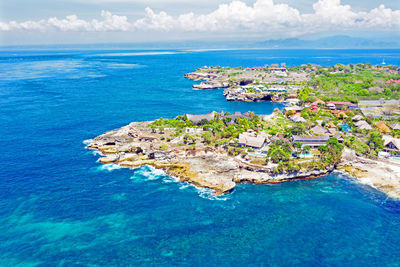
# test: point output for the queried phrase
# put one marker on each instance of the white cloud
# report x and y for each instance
(264, 17)
(110, 22)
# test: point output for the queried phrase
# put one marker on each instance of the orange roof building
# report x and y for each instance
(331, 125)
(342, 115)
(383, 127)
(319, 101)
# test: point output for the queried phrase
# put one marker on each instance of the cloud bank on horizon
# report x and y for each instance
(264, 16)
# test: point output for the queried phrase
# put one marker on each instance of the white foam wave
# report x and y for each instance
(149, 173)
(108, 167)
(207, 193)
(97, 153)
(87, 141)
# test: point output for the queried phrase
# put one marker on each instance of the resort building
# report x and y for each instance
(256, 142)
(391, 144)
(312, 141)
(197, 118)
(236, 115)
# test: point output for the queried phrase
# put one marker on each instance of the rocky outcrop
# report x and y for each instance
(211, 85)
(232, 94)
(383, 175)
(136, 145)
(268, 178)
(198, 76)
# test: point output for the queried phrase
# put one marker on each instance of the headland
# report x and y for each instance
(332, 121)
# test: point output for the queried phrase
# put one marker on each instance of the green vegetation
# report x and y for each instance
(353, 83)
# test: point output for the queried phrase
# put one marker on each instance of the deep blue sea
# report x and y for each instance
(60, 207)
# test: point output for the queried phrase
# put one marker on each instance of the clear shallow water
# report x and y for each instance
(58, 206)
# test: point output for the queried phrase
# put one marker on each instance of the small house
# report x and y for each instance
(391, 144)
(339, 138)
(363, 125)
(331, 125)
(319, 101)
(395, 126)
(297, 118)
(319, 130)
(357, 118)
(294, 110)
(383, 127)
(342, 115)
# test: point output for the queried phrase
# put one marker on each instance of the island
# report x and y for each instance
(340, 120)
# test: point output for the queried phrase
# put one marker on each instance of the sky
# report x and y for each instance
(24, 22)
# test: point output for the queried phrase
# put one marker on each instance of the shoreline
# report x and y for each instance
(381, 175)
(213, 169)
(220, 172)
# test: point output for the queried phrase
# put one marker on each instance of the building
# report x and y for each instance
(391, 144)
(319, 130)
(251, 141)
(319, 101)
(294, 109)
(357, 118)
(339, 138)
(343, 104)
(297, 118)
(383, 127)
(278, 137)
(236, 115)
(197, 118)
(312, 141)
(395, 126)
(331, 125)
(363, 125)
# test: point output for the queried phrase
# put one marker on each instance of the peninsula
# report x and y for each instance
(280, 83)
(319, 131)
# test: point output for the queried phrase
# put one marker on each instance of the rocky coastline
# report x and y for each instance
(383, 175)
(134, 145)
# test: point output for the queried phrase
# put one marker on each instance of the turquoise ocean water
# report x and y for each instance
(59, 207)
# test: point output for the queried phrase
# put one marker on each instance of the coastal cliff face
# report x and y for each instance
(383, 175)
(136, 145)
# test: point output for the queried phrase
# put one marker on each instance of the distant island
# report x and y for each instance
(336, 118)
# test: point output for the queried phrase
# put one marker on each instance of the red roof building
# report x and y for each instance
(342, 103)
(392, 81)
(314, 109)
